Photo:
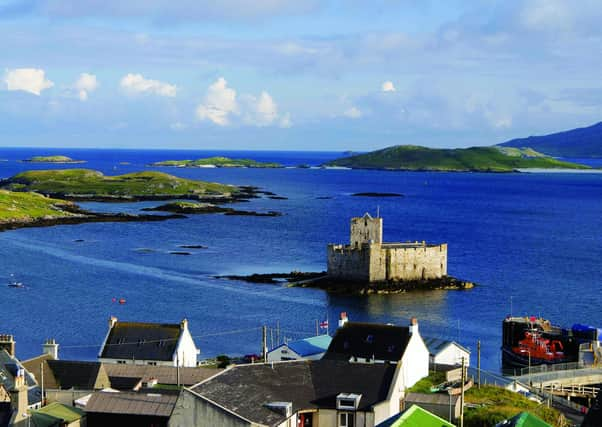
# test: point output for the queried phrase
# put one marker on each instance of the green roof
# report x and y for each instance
(56, 411)
(525, 419)
(415, 417)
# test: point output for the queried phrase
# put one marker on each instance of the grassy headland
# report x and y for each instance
(474, 159)
(219, 162)
(53, 159)
(32, 206)
(86, 184)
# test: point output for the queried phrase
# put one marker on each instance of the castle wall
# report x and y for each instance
(348, 263)
(412, 263)
(375, 262)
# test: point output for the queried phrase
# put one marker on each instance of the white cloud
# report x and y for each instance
(32, 80)
(136, 83)
(388, 86)
(353, 113)
(220, 103)
(261, 111)
(85, 84)
(285, 121)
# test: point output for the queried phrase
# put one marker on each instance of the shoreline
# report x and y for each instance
(320, 280)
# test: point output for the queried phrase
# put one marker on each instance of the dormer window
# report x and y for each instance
(348, 401)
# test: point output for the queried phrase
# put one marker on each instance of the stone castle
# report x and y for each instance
(368, 259)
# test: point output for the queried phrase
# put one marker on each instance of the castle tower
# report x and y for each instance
(366, 230)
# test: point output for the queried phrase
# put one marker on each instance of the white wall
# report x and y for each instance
(282, 353)
(186, 350)
(452, 355)
(415, 361)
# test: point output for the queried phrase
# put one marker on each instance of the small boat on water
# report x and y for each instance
(16, 284)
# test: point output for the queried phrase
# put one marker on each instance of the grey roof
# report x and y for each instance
(431, 398)
(164, 374)
(369, 340)
(246, 389)
(130, 403)
(8, 369)
(142, 341)
(435, 345)
(74, 374)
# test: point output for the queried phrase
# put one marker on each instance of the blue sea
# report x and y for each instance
(533, 243)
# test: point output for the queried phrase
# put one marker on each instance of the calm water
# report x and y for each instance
(532, 241)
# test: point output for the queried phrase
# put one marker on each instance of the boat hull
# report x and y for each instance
(511, 359)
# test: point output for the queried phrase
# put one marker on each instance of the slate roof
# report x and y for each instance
(130, 403)
(142, 341)
(310, 346)
(369, 340)
(246, 389)
(431, 398)
(123, 375)
(8, 369)
(78, 375)
(435, 345)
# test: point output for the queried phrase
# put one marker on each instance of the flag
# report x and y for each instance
(324, 324)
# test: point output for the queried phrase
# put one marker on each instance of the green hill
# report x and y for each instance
(31, 206)
(577, 143)
(220, 162)
(477, 159)
(90, 184)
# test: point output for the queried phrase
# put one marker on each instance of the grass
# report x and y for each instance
(483, 159)
(90, 183)
(30, 206)
(223, 162)
(497, 404)
(425, 384)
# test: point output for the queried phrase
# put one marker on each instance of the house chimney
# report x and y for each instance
(413, 326)
(184, 324)
(52, 348)
(7, 342)
(343, 319)
(112, 321)
(18, 398)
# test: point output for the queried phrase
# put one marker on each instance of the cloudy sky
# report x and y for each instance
(295, 74)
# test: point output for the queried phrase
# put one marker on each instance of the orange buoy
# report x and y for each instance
(121, 300)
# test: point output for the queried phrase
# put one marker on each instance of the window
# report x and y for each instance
(152, 363)
(346, 419)
(121, 362)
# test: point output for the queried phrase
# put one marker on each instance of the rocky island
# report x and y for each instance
(90, 185)
(52, 159)
(217, 162)
(205, 208)
(474, 159)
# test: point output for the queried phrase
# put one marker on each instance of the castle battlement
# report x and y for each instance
(367, 259)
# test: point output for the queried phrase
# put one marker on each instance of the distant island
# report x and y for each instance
(86, 184)
(473, 159)
(583, 142)
(52, 159)
(216, 162)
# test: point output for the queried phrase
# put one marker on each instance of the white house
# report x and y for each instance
(312, 348)
(444, 352)
(137, 343)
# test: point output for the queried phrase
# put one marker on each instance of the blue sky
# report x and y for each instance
(292, 74)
